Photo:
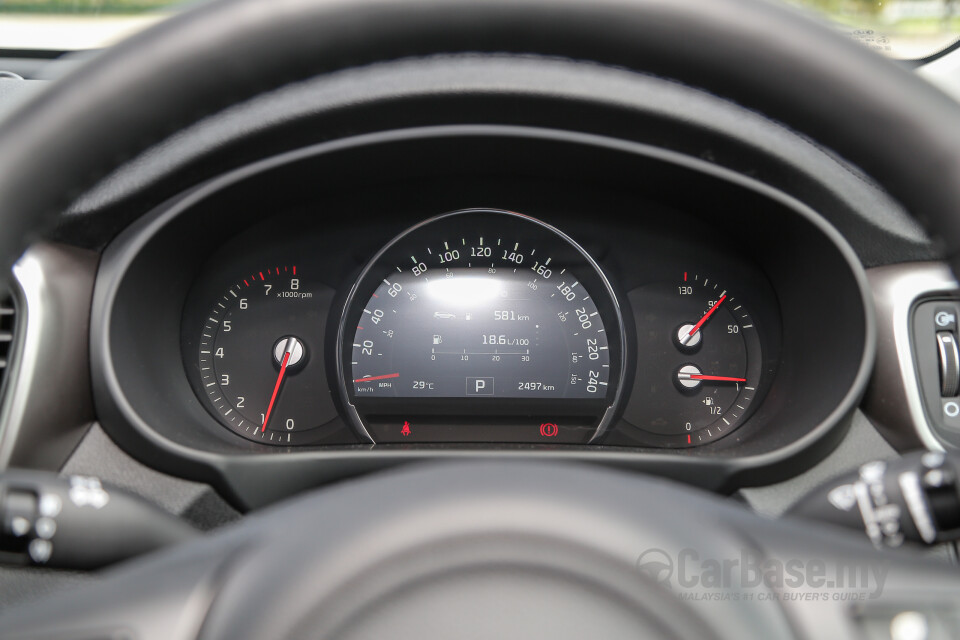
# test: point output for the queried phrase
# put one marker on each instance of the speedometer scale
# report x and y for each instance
(490, 312)
(489, 334)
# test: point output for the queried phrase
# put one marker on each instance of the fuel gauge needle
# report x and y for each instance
(287, 350)
(690, 377)
(701, 376)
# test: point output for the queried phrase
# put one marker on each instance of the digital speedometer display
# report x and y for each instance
(480, 332)
(481, 313)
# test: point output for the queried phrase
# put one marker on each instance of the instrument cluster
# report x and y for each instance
(348, 308)
(479, 326)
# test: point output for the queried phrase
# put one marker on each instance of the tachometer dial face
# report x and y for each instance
(481, 313)
(699, 362)
(260, 357)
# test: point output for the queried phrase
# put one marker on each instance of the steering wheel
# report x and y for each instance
(485, 549)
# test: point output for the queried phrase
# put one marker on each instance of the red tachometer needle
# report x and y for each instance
(291, 343)
(389, 375)
(700, 376)
(706, 316)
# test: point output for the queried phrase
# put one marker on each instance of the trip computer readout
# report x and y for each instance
(487, 334)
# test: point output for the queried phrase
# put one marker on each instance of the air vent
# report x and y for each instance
(7, 320)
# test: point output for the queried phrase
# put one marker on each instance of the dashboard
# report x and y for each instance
(494, 270)
(445, 299)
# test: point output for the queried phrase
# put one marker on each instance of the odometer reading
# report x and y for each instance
(488, 307)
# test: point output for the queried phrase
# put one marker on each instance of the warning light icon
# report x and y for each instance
(549, 429)
(405, 431)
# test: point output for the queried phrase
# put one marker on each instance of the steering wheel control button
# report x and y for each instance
(19, 526)
(949, 358)
(50, 520)
(909, 625)
(937, 355)
(40, 550)
(936, 622)
(914, 498)
(50, 505)
(951, 412)
(945, 319)
(45, 528)
(19, 512)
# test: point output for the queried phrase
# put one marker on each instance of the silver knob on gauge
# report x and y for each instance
(687, 339)
(686, 373)
(291, 345)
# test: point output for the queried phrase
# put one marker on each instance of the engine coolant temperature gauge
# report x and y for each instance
(698, 362)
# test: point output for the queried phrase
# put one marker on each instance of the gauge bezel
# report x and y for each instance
(608, 305)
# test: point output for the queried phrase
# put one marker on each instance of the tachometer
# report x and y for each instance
(480, 326)
(260, 357)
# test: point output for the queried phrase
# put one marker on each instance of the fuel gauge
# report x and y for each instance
(698, 362)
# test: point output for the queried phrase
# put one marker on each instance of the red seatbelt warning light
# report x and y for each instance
(405, 431)
(549, 429)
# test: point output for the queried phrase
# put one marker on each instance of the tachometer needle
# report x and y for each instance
(706, 316)
(287, 350)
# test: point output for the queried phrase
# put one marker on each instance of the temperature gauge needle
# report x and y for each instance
(713, 378)
(288, 348)
(693, 330)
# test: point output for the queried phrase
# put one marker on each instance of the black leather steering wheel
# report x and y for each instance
(895, 126)
(476, 549)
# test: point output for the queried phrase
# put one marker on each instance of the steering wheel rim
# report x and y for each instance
(757, 54)
(540, 539)
(760, 55)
